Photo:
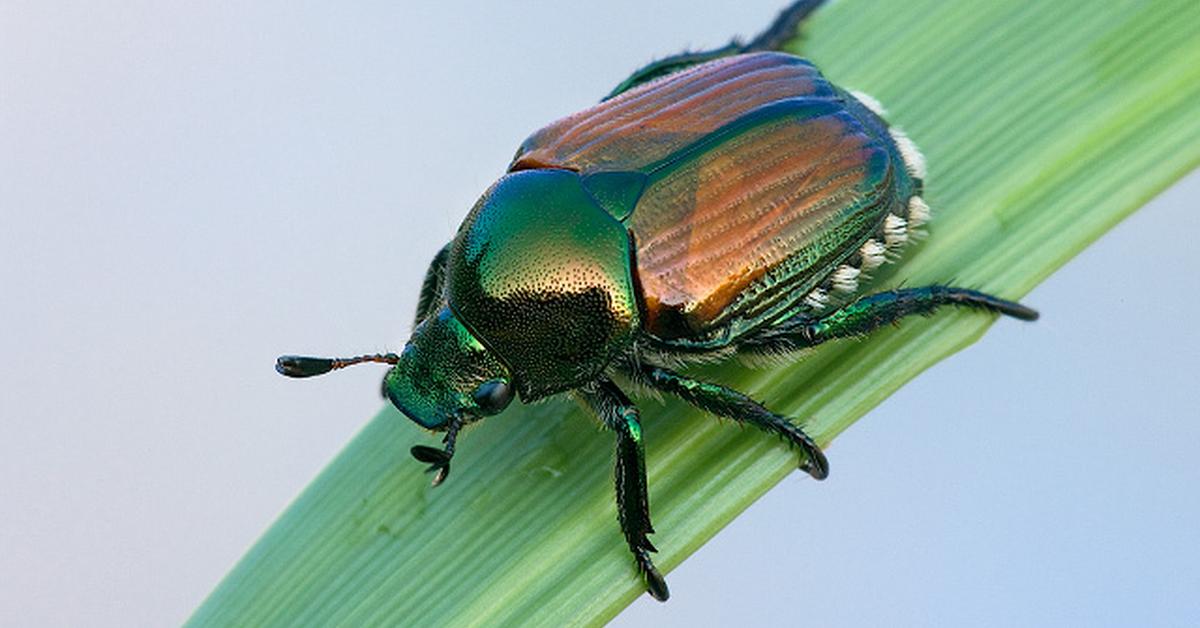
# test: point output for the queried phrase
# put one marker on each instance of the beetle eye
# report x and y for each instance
(493, 396)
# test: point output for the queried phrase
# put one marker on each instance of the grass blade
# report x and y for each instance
(1044, 124)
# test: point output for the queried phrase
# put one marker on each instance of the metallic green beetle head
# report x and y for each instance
(442, 380)
(444, 375)
(538, 297)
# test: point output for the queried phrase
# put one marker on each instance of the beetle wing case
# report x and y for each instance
(757, 180)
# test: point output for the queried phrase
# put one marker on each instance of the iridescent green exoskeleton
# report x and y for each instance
(716, 204)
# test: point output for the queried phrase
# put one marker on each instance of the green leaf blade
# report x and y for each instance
(1045, 124)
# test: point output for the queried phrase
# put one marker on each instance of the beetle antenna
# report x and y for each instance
(302, 366)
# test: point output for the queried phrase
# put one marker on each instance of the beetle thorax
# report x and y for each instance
(542, 276)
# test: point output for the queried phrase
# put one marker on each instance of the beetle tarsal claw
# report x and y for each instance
(438, 459)
(656, 585)
(816, 464)
(440, 477)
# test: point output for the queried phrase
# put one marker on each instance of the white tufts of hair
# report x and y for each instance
(845, 278)
(914, 161)
(817, 299)
(870, 102)
(895, 231)
(918, 212)
(872, 253)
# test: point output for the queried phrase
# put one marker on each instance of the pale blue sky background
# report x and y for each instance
(188, 190)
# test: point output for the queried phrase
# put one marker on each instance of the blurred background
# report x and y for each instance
(189, 189)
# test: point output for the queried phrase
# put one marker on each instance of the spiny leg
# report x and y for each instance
(783, 29)
(619, 414)
(729, 403)
(439, 459)
(872, 312)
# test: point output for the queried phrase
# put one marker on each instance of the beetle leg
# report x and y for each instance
(874, 311)
(732, 404)
(619, 414)
(439, 459)
(431, 288)
(783, 29)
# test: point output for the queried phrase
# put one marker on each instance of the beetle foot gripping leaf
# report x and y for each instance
(656, 585)
(815, 463)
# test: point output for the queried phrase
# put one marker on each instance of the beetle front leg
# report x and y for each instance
(619, 414)
(439, 459)
(731, 404)
(431, 288)
(872, 312)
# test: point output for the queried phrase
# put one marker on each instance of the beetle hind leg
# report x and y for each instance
(731, 404)
(782, 30)
(872, 312)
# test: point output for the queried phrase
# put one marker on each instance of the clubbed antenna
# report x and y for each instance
(302, 366)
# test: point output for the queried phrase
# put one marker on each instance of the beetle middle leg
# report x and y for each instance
(732, 404)
(619, 414)
(783, 29)
(872, 312)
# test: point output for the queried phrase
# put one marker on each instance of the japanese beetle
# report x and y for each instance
(716, 204)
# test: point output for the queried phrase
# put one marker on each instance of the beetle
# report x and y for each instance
(715, 204)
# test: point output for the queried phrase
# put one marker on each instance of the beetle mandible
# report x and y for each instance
(715, 204)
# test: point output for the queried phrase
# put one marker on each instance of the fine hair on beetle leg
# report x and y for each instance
(648, 354)
(774, 357)
(625, 368)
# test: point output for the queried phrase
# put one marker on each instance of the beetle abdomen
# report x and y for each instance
(751, 185)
